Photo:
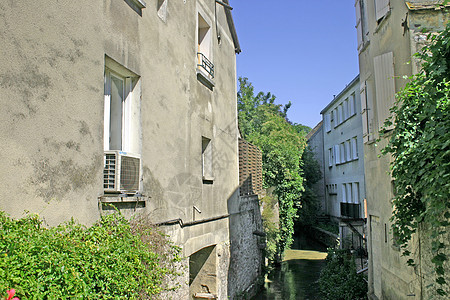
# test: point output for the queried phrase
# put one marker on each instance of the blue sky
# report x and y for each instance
(300, 51)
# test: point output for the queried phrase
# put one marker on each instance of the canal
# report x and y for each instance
(296, 279)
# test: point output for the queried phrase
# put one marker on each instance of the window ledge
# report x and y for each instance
(122, 198)
(382, 21)
(203, 78)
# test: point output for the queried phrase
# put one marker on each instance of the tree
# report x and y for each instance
(264, 124)
(308, 202)
(420, 147)
(339, 280)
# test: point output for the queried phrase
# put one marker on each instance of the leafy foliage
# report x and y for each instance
(420, 147)
(113, 259)
(264, 124)
(339, 280)
(309, 205)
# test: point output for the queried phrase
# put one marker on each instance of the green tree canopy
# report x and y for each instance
(264, 124)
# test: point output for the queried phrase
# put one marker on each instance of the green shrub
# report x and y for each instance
(338, 279)
(113, 259)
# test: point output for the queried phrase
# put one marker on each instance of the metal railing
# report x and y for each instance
(203, 62)
(350, 210)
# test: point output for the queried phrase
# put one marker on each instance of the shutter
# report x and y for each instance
(352, 104)
(382, 8)
(337, 157)
(330, 157)
(348, 150)
(354, 148)
(364, 113)
(385, 86)
(327, 118)
(359, 24)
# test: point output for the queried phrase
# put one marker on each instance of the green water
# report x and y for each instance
(296, 279)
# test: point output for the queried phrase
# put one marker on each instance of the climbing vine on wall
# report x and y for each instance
(420, 147)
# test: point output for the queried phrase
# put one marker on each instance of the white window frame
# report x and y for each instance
(355, 193)
(129, 139)
(352, 102)
(354, 148)
(342, 152)
(327, 121)
(348, 150)
(349, 192)
(330, 157)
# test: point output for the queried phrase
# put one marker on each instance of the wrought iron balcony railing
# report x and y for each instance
(205, 64)
(350, 210)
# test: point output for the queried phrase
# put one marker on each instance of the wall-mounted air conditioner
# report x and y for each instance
(121, 172)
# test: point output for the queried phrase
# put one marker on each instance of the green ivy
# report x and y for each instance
(113, 259)
(420, 147)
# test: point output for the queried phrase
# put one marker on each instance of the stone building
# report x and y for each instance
(315, 142)
(344, 165)
(389, 33)
(126, 103)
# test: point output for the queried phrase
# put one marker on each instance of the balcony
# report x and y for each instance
(350, 210)
(205, 64)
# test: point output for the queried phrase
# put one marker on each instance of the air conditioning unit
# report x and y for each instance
(122, 172)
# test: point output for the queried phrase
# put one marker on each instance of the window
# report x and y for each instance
(122, 107)
(122, 131)
(340, 114)
(352, 103)
(344, 193)
(327, 121)
(337, 156)
(204, 53)
(361, 24)
(330, 157)
(354, 148)
(385, 86)
(349, 192)
(355, 192)
(346, 111)
(207, 160)
(381, 9)
(348, 151)
(342, 152)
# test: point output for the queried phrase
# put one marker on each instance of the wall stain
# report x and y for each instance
(84, 129)
(30, 84)
(54, 180)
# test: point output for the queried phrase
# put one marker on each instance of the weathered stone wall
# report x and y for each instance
(245, 248)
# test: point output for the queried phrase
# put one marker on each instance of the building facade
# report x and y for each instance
(389, 33)
(123, 103)
(344, 165)
(315, 142)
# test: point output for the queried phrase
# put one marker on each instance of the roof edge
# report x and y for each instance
(347, 87)
(237, 47)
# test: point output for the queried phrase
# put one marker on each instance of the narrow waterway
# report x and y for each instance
(299, 271)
